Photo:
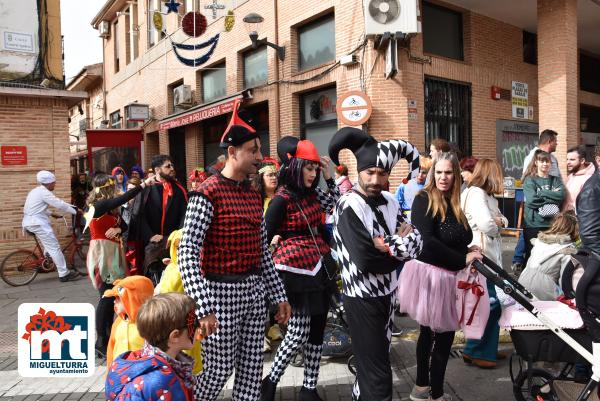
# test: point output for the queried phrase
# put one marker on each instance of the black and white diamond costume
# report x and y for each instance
(225, 265)
(369, 276)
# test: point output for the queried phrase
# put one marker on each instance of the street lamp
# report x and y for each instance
(253, 22)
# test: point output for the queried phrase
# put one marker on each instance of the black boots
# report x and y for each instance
(267, 390)
(308, 395)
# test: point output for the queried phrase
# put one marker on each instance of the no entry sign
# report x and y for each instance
(354, 108)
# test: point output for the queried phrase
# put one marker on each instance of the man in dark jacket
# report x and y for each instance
(158, 211)
(588, 209)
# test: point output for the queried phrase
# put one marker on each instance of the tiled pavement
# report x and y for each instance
(464, 383)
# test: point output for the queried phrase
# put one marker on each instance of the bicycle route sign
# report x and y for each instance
(354, 108)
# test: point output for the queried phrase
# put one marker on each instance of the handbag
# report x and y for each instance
(472, 302)
(549, 209)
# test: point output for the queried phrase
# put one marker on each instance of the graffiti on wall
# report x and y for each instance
(514, 141)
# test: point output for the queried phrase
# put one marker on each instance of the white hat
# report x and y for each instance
(45, 177)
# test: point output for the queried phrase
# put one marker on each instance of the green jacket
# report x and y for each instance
(538, 192)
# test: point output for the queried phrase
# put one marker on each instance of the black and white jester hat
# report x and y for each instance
(370, 153)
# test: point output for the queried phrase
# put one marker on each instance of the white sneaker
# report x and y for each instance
(419, 395)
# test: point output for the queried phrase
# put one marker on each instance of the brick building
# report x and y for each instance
(33, 111)
(87, 114)
(461, 78)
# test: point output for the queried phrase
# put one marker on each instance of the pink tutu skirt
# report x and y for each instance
(428, 295)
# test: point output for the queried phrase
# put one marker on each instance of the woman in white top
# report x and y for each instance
(481, 208)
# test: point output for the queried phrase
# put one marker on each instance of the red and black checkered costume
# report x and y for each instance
(225, 264)
(296, 251)
(298, 257)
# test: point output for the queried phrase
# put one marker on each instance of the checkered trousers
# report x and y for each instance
(238, 344)
(296, 340)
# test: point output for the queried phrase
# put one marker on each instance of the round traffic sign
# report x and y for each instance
(354, 108)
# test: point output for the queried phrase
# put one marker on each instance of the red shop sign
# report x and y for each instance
(14, 155)
(198, 115)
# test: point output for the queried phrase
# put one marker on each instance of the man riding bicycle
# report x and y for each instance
(35, 220)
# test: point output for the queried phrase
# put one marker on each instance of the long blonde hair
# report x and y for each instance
(103, 187)
(437, 203)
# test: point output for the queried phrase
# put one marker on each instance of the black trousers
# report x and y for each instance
(530, 233)
(433, 351)
(105, 313)
(369, 321)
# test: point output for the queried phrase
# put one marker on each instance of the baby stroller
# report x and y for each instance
(554, 344)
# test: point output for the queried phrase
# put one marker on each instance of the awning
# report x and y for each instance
(202, 112)
(115, 137)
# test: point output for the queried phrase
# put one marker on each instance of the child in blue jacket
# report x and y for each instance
(160, 370)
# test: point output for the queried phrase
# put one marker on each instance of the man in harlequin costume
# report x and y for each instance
(160, 371)
(226, 266)
(372, 241)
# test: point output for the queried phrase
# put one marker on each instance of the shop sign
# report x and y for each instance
(137, 112)
(520, 100)
(14, 155)
(354, 108)
(198, 115)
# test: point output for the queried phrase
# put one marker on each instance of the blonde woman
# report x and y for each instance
(481, 209)
(427, 288)
(106, 258)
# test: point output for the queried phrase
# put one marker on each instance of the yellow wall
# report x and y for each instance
(54, 55)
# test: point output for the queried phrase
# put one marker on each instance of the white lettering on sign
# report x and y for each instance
(18, 42)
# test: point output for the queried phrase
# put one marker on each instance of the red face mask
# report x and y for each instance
(192, 325)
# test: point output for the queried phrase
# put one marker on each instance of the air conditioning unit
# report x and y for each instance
(182, 96)
(390, 16)
(104, 29)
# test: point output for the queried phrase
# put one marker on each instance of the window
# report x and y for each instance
(448, 113)
(316, 43)
(214, 83)
(153, 35)
(442, 31)
(116, 39)
(529, 47)
(115, 119)
(133, 33)
(318, 117)
(589, 79)
(255, 67)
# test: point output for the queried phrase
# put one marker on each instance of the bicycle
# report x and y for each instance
(22, 266)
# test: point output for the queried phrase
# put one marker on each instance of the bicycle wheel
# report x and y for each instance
(539, 388)
(80, 259)
(19, 268)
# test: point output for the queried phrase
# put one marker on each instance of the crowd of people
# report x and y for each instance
(257, 231)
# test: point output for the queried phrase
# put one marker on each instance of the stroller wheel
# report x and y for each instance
(352, 365)
(534, 385)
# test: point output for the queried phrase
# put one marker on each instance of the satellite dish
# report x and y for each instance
(384, 11)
